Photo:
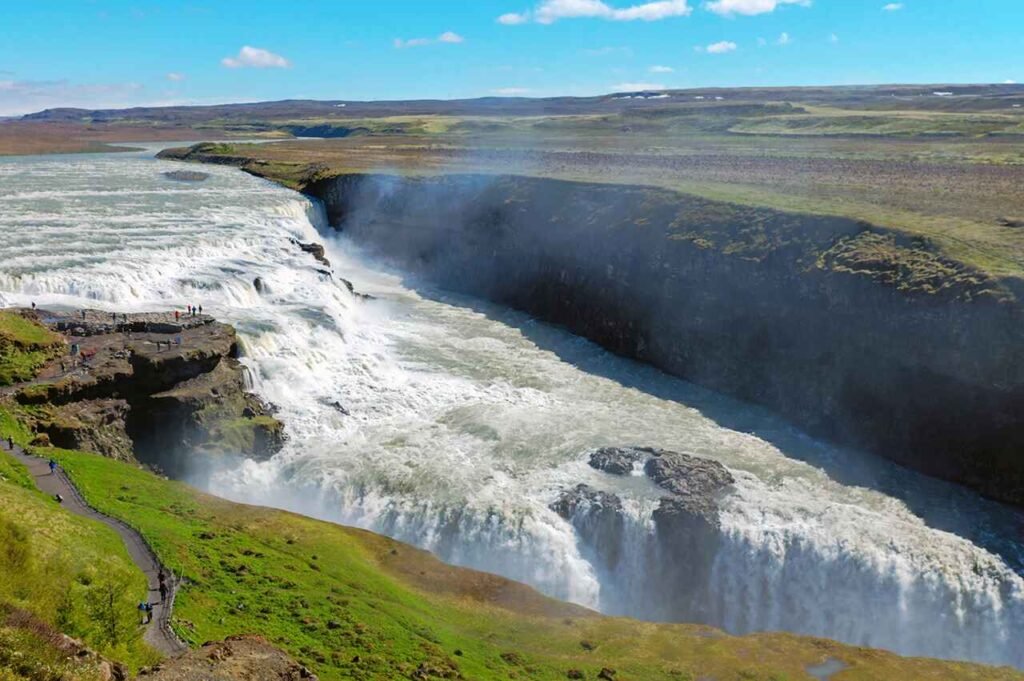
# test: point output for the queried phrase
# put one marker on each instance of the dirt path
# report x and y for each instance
(158, 634)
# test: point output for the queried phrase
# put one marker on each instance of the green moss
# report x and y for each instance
(25, 346)
(242, 434)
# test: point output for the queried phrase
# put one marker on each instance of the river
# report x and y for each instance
(452, 424)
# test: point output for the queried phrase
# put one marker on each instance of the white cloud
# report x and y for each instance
(720, 47)
(550, 11)
(175, 76)
(448, 37)
(893, 7)
(833, 38)
(511, 91)
(256, 58)
(661, 69)
(750, 7)
(1009, 82)
(633, 87)
(784, 39)
(513, 19)
(652, 11)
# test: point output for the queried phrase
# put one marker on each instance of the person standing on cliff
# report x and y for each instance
(177, 315)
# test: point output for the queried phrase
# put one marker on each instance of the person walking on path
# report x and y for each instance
(163, 592)
(53, 467)
(177, 315)
(10, 443)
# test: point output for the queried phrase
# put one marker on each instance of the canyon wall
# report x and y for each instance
(862, 335)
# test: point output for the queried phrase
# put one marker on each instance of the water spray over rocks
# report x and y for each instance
(464, 424)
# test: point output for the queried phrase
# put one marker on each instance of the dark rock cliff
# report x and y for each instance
(859, 334)
(168, 392)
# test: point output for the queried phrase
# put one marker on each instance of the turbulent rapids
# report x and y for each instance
(454, 425)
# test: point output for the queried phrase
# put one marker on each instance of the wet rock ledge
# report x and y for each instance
(687, 528)
(164, 390)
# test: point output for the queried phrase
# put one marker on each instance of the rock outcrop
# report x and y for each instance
(687, 531)
(251, 658)
(314, 249)
(618, 460)
(686, 522)
(166, 390)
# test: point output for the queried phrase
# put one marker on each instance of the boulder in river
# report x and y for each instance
(314, 249)
(186, 175)
(597, 517)
(619, 460)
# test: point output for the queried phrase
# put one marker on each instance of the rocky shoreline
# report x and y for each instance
(164, 389)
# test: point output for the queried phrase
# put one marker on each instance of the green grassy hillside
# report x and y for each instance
(346, 603)
(353, 605)
(60, 572)
(24, 347)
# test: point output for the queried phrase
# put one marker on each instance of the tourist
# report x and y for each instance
(58, 498)
(147, 612)
(33, 304)
(53, 467)
(163, 592)
(200, 309)
(177, 315)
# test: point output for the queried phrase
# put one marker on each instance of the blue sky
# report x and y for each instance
(96, 53)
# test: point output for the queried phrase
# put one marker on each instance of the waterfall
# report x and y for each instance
(454, 425)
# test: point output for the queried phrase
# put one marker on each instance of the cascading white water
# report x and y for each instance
(453, 424)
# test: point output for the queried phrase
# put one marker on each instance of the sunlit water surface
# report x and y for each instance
(465, 420)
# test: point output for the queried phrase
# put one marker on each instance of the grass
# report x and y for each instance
(353, 605)
(24, 348)
(958, 194)
(346, 603)
(65, 570)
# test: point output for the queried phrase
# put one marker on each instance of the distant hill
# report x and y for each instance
(925, 97)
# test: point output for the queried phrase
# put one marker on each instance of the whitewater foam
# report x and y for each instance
(454, 425)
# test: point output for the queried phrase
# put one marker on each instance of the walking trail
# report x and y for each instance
(158, 633)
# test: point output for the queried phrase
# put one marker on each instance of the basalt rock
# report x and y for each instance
(163, 388)
(618, 460)
(314, 249)
(90, 425)
(186, 175)
(687, 528)
(598, 520)
(694, 482)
